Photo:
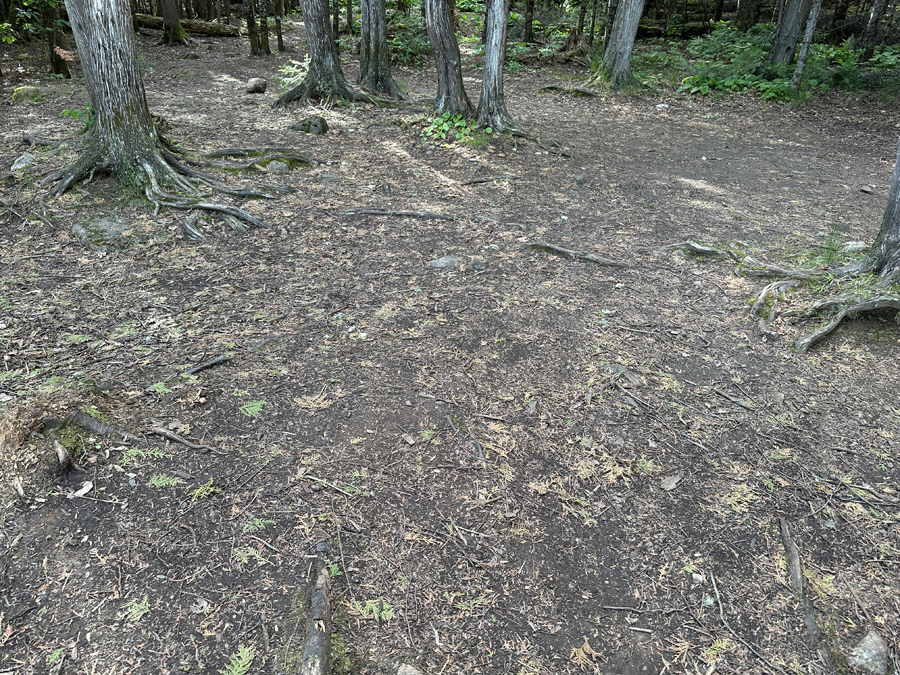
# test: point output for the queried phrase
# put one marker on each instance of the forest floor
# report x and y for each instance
(520, 463)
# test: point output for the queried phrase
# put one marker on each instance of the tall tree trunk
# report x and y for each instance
(804, 48)
(173, 32)
(325, 79)
(784, 44)
(491, 111)
(748, 14)
(374, 57)
(612, 7)
(835, 28)
(350, 17)
(528, 33)
(451, 95)
(264, 27)
(616, 65)
(593, 23)
(871, 34)
(336, 18)
(55, 38)
(720, 7)
(886, 250)
(582, 13)
(279, 13)
(252, 31)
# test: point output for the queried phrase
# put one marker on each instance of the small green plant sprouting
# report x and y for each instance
(134, 610)
(252, 408)
(247, 553)
(55, 656)
(160, 388)
(240, 662)
(380, 610)
(162, 480)
(134, 455)
(334, 570)
(442, 126)
(86, 114)
(204, 491)
(293, 73)
(257, 525)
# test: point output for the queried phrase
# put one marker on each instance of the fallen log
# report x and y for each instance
(191, 26)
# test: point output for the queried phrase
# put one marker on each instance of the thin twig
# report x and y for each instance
(165, 433)
(489, 179)
(327, 484)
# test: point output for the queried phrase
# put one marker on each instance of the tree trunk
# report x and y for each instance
(807, 40)
(336, 20)
(748, 14)
(55, 38)
(612, 7)
(528, 33)
(616, 65)
(491, 111)
(374, 61)
(264, 47)
(350, 17)
(871, 34)
(593, 23)
(173, 32)
(785, 42)
(582, 13)
(720, 7)
(325, 79)
(252, 32)
(451, 95)
(835, 28)
(279, 13)
(886, 250)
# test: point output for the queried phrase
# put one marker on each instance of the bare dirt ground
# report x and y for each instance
(520, 463)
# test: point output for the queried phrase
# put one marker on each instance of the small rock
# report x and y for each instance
(478, 265)
(581, 179)
(105, 234)
(256, 85)
(870, 655)
(408, 670)
(312, 125)
(278, 167)
(868, 189)
(662, 106)
(23, 162)
(854, 247)
(190, 55)
(446, 261)
(33, 94)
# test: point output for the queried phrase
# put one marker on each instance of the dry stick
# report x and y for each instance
(178, 439)
(816, 640)
(327, 484)
(643, 611)
(489, 179)
(317, 646)
(731, 630)
(573, 255)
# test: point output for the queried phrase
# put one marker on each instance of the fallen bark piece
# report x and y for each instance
(574, 255)
(317, 647)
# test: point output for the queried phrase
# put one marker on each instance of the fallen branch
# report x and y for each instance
(489, 179)
(318, 637)
(798, 584)
(208, 364)
(190, 25)
(571, 91)
(574, 255)
(165, 433)
(36, 140)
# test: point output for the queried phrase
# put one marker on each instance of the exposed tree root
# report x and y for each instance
(846, 310)
(776, 290)
(167, 180)
(572, 91)
(574, 255)
(754, 268)
(313, 89)
(700, 250)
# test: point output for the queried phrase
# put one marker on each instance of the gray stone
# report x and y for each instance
(581, 179)
(854, 247)
(406, 669)
(478, 265)
(446, 261)
(23, 162)
(311, 125)
(30, 94)
(256, 85)
(870, 655)
(278, 168)
(104, 234)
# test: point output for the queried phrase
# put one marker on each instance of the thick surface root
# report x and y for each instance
(312, 90)
(849, 307)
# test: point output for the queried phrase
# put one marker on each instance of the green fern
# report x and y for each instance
(240, 662)
(162, 480)
(252, 408)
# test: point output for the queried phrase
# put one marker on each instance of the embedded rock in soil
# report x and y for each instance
(23, 162)
(33, 94)
(278, 168)
(312, 125)
(870, 655)
(446, 261)
(256, 85)
(103, 234)
(408, 670)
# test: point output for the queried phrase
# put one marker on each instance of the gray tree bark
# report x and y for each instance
(374, 57)
(325, 79)
(871, 34)
(451, 95)
(807, 40)
(491, 111)
(784, 44)
(616, 65)
(173, 32)
(886, 249)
